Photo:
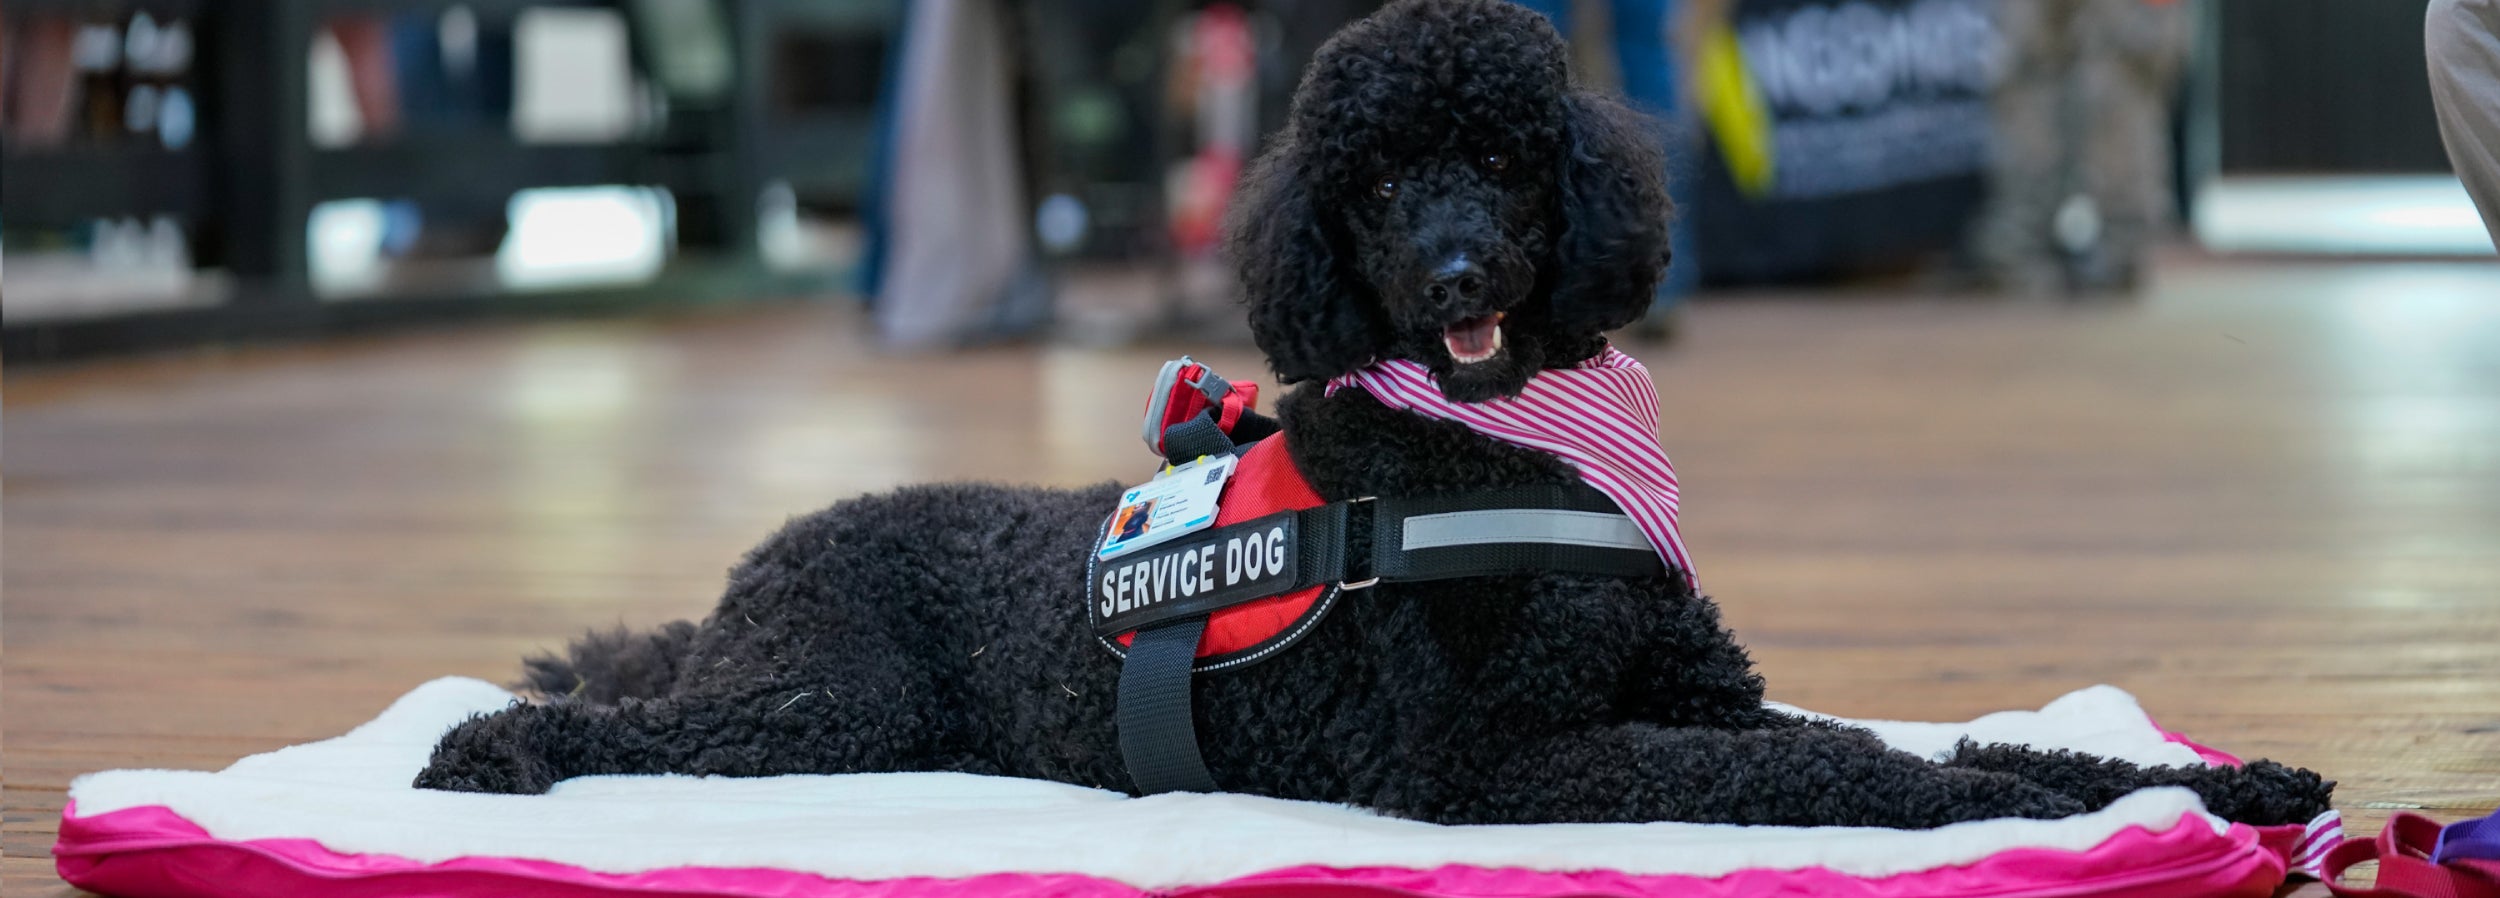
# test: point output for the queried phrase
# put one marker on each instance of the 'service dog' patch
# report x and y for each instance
(1197, 574)
(1247, 621)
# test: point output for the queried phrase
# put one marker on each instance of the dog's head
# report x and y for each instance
(1442, 193)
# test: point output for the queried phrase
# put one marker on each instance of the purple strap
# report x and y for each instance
(2476, 839)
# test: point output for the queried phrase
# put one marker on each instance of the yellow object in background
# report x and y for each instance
(1733, 109)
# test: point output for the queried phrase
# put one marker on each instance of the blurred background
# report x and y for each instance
(2009, 347)
(184, 173)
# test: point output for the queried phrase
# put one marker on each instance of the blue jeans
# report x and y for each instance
(1651, 83)
(432, 94)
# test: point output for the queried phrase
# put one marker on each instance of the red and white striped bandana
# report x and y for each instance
(1600, 415)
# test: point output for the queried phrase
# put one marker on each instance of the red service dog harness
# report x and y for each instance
(1264, 485)
(1277, 557)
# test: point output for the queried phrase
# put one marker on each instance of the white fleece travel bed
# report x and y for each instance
(338, 817)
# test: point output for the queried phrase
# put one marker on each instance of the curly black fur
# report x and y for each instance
(1491, 156)
(940, 627)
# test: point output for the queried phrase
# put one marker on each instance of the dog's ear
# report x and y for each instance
(1612, 247)
(1310, 317)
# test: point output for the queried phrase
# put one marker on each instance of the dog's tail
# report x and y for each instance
(605, 666)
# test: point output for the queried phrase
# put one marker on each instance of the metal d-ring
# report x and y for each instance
(1344, 586)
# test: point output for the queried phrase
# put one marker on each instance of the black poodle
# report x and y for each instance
(1442, 194)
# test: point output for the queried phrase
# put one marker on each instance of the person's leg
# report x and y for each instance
(687, 44)
(425, 91)
(955, 242)
(2462, 40)
(491, 77)
(877, 198)
(2027, 168)
(2128, 67)
(371, 71)
(454, 71)
(1645, 52)
(43, 83)
(454, 75)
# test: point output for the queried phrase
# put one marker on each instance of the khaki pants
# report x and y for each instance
(2462, 39)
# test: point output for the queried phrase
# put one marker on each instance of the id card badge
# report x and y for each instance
(1178, 501)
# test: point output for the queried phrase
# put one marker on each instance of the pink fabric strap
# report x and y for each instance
(1600, 415)
(2405, 870)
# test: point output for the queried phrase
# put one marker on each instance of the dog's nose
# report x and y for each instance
(1458, 278)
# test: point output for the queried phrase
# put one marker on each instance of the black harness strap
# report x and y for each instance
(1195, 437)
(1158, 737)
(1523, 530)
(1202, 435)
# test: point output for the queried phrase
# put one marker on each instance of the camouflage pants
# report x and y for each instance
(2082, 110)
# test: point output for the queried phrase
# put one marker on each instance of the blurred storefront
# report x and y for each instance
(181, 172)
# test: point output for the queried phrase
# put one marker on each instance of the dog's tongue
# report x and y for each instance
(1475, 339)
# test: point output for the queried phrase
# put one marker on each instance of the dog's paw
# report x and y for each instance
(477, 756)
(2264, 793)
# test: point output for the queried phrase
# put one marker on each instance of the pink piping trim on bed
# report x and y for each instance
(2212, 756)
(2303, 848)
(2186, 861)
(151, 852)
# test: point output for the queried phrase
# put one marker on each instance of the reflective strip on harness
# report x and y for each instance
(1523, 530)
(1475, 528)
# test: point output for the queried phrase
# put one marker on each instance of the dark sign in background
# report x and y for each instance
(1875, 117)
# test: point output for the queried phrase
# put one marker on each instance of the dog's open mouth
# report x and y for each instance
(1475, 339)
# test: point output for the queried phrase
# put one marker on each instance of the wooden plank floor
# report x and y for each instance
(2266, 499)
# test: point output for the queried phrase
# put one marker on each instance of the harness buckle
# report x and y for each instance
(1186, 391)
(1206, 382)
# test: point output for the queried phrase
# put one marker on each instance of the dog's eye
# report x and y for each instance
(1386, 188)
(1494, 162)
